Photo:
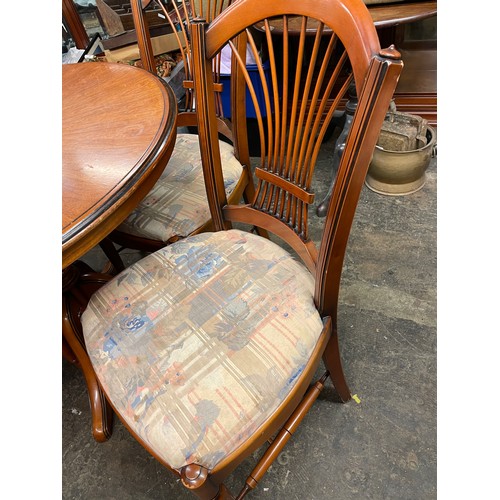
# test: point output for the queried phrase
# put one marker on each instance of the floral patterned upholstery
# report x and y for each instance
(177, 205)
(198, 343)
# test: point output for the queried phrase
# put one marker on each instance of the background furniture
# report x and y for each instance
(417, 89)
(207, 347)
(410, 25)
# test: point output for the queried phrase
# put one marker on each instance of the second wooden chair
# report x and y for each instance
(177, 205)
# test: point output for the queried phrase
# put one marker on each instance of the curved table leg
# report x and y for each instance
(350, 108)
(78, 285)
(68, 354)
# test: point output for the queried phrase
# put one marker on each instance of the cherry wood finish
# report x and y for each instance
(383, 16)
(119, 129)
(393, 14)
(293, 119)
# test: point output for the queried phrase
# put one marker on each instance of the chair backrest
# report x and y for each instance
(178, 15)
(307, 53)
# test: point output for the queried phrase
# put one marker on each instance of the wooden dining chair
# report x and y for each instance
(177, 205)
(206, 349)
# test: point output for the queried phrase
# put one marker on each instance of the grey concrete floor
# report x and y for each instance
(383, 447)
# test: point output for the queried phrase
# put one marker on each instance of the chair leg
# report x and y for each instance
(283, 436)
(333, 363)
(224, 493)
(113, 256)
(196, 479)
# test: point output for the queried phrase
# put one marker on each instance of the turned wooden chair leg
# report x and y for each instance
(333, 363)
(283, 436)
(196, 478)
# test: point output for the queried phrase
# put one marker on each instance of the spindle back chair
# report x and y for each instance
(206, 348)
(177, 207)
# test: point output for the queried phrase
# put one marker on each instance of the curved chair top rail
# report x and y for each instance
(354, 26)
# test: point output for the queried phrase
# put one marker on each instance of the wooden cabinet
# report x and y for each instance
(413, 30)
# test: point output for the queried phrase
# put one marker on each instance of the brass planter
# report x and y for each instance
(397, 173)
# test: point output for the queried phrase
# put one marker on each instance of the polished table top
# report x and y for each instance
(400, 13)
(383, 15)
(119, 129)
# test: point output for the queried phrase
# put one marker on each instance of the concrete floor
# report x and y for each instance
(383, 447)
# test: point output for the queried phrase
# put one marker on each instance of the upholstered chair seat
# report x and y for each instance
(198, 344)
(177, 205)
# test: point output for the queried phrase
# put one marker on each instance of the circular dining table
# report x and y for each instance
(118, 132)
(119, 126)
